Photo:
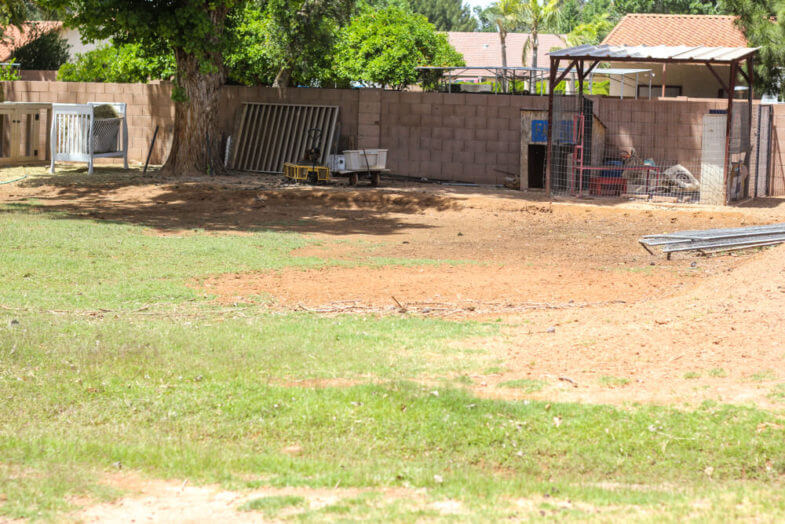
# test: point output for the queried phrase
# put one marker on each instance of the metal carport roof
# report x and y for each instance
(660, 53)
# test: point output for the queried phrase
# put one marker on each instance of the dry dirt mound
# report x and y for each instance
(723, 340)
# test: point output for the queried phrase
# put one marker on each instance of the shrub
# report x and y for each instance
(128, 63)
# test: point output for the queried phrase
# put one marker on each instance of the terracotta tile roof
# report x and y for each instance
(691, 30)
(14, 38)
(484, 49)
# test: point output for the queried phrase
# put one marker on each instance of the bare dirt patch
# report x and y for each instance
(465, 287)
(156, 500)
(720, 341)
(685, 330)
(484, 250)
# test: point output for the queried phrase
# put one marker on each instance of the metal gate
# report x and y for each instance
(270, 134)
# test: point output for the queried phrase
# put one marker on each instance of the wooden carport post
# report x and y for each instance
(729, 129)
(554, 80)
(548, 154)
(750, 78)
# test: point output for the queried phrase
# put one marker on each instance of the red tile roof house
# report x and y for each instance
(14, 37)
(694, 81)
(485, 50)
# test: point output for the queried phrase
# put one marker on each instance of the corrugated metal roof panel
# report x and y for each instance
(681, 53)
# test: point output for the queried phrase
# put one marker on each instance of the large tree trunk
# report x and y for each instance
(196, 139)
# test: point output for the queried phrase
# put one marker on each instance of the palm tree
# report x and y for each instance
(536, 16)
(506, 14)
(532, 15)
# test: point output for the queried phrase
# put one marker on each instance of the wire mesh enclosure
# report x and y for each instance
(84, 132)
(659, 150)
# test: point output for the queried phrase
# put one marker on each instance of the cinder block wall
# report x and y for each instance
(465, 137)
(148, 105)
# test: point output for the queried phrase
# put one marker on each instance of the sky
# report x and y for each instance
(480, 3)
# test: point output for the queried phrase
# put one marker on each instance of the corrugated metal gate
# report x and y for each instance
(270, 134)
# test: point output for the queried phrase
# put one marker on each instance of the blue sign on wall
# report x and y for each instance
(539, 131)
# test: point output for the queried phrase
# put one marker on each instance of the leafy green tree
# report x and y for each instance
(13, 12)
(597, 8)
(536, 16)
(195, 32)
(590, 32)
(247, 56)
(446, 15)
(384, 46)
(569, 16)
(45, 50)
(485, 20)
(36, 11)
(507, 16)
(695, 7)
(129, 63)
(763, 23)
(299, 36)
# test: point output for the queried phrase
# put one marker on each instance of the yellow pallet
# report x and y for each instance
(305, 172)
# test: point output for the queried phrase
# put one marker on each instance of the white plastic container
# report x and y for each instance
(365, 159)
(336, 162)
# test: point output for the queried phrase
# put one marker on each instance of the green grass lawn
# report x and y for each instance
(109, 358)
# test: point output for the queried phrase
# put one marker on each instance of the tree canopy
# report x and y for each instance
(124, 63)
(763, 23)
(537, 16)
(384, 46)
(195, 33)
(446, 15)
(12, 12)
(45, 50)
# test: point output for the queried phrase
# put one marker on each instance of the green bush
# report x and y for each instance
(9, 72)
(129, 63)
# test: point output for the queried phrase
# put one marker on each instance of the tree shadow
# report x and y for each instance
(760, 203)
(241, 203)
